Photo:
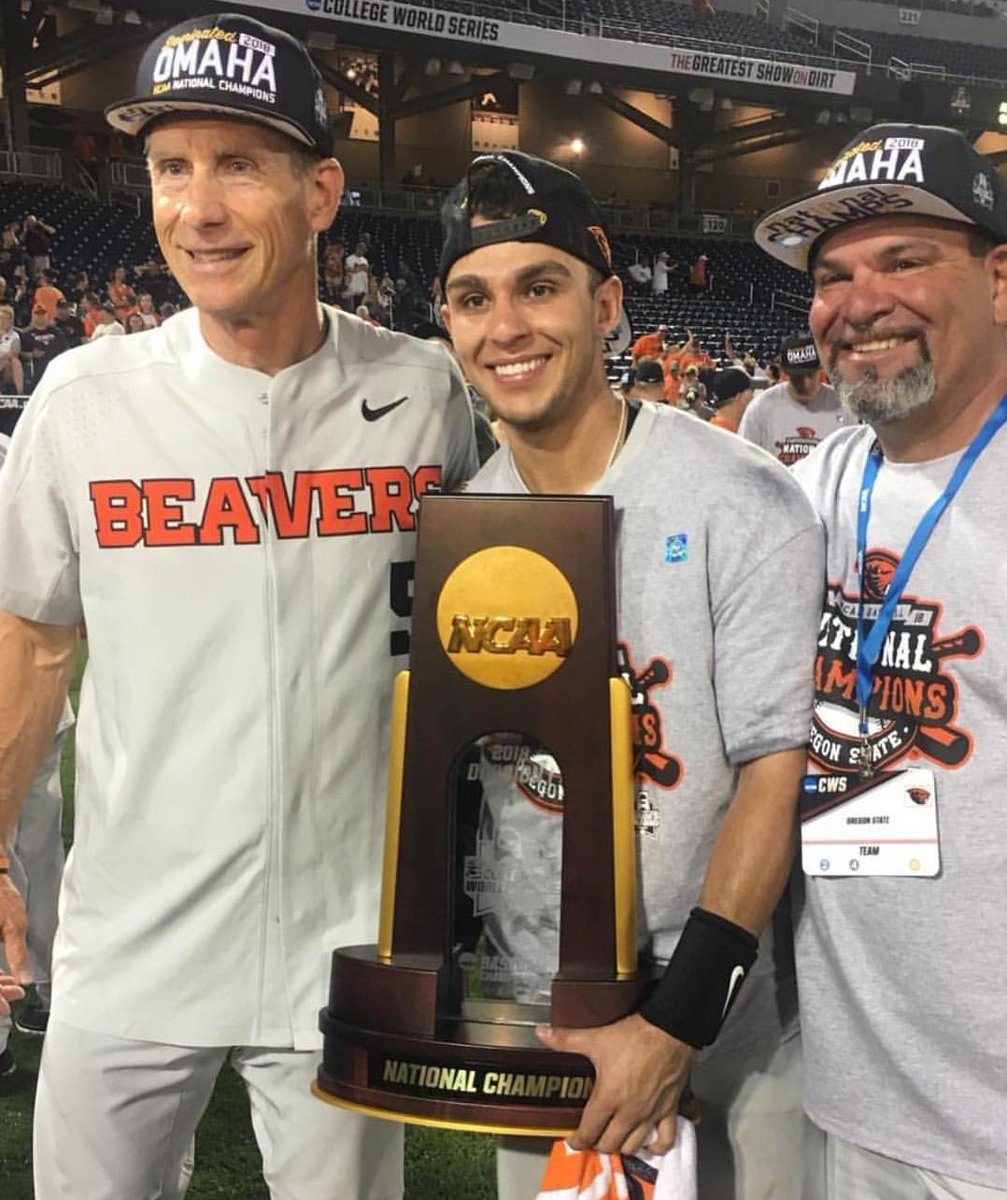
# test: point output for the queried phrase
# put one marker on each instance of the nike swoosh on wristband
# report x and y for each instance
(374, 414)
(737, 975)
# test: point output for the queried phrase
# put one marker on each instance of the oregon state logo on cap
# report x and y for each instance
(507, 617)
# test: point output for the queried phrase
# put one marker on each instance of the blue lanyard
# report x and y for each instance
(869, 647)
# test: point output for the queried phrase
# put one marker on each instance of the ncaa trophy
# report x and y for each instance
(509, 890)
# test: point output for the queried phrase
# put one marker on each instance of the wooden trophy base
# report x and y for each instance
(387, 1053)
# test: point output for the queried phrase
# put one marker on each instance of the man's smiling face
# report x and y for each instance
(232, 212)
(527, 321)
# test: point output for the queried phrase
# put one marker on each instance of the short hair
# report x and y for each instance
(7, 311)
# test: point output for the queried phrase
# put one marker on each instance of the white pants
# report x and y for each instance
(115, 1120)
(37, 868)
(853, 1173)
(753, 1141)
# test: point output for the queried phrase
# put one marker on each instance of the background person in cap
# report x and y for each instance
(903, 1024)
(732, 393)
(791, 418)
(70, 327)
(40, 344)
(105, 323)
(719, 591)
(648, 381)
(228, 503)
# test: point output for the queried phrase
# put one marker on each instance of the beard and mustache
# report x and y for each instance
(876, 401)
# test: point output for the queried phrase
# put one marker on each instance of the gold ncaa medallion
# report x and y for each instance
(507, 617)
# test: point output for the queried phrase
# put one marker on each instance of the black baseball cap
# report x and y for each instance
(799, 354)
(234, 66)
(891, 170)
(551, 206)
(649, 370)
(728, 384)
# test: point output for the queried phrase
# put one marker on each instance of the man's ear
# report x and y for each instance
(996, 262)
(446, 317)
(607, 305)
(327, 191)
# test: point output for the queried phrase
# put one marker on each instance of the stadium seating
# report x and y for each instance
(751, 295)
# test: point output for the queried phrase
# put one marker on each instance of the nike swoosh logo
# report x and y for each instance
(737, 975)
(374, 414)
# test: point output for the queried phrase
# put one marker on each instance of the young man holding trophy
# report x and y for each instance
(719, 563)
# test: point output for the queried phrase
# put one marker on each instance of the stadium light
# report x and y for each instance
(520, 70)
(131, 17)
(594, 88)
(1002, 114)
(318, 39)
(577, 146)
(454, 67)
(573, 87)
(433, 67)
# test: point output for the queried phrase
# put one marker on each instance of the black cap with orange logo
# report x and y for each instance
(547, 204)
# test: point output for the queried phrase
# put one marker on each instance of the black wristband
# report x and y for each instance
(704, 976)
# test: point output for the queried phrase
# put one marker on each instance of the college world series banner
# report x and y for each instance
(558, 43)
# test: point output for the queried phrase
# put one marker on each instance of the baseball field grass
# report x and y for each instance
(439, 1165)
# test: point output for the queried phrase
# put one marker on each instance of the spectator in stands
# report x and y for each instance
(648, 382)
(88, 310)
(692, 396)
(698, 278)
(11, 251)
(40, 344)
(358, 271)
(650, 345)
(106, 322)
(790, 419)
(146, 311)
(333, 273)
(47, 294)
(731, 395)
(70, 326)
(121, 294)
(155, 275)
(11, 370)
(672, 382)
(660, 273)
(166, 310)
(134, 323)
(747, 363)
(80, 285)
(364, 313)
(21, 298)
(37, 240)
(640, 273)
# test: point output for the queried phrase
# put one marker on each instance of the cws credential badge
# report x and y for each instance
(883, 825)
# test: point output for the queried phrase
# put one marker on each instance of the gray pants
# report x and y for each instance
(115, 1119)
(852, 1173)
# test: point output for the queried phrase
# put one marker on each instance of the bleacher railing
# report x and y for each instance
(34, 164)
(793, 301)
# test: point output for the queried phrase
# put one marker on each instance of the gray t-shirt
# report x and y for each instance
(902, 1006)
(719, 588)
(785, 427)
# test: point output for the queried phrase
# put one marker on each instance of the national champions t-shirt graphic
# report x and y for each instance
(797, 445)
(914, 709)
